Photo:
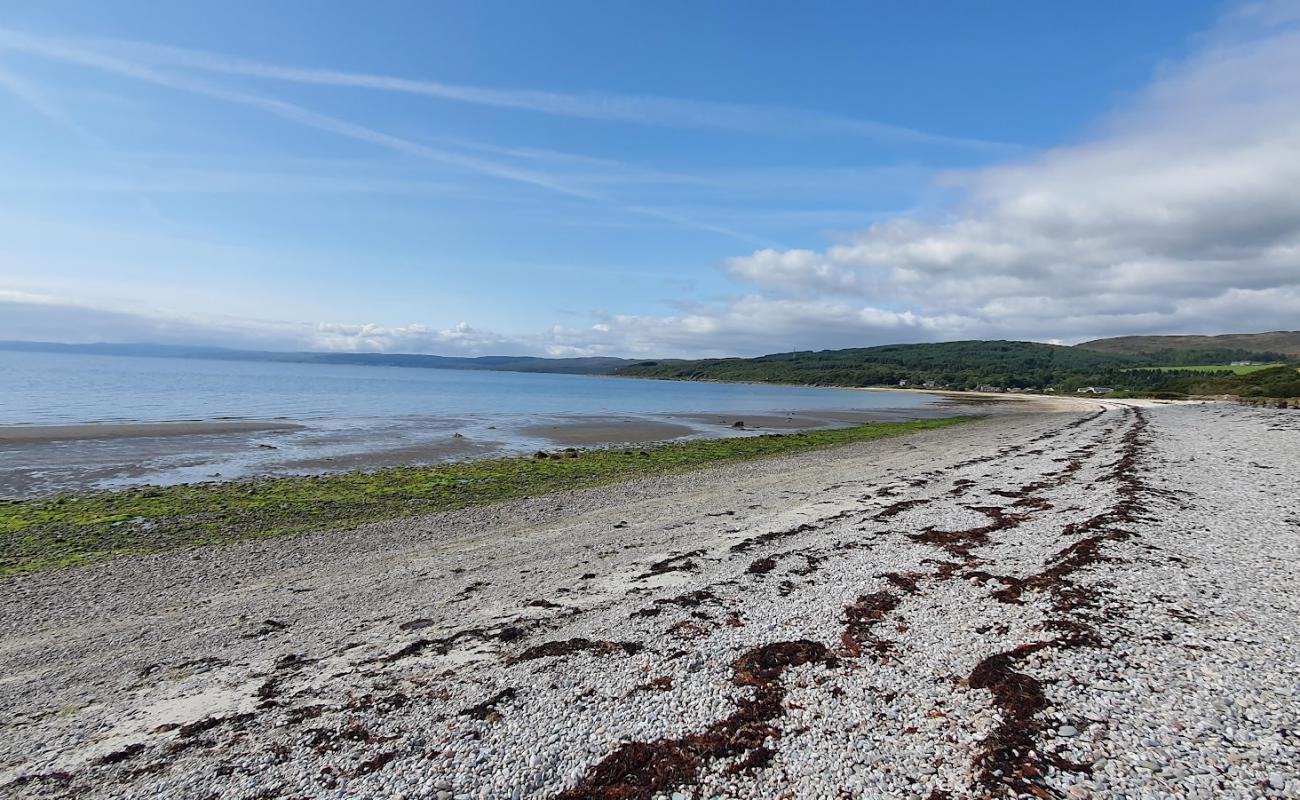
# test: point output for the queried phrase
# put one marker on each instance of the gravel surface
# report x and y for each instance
(1102, 600)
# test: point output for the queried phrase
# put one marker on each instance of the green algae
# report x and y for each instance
(75, 529)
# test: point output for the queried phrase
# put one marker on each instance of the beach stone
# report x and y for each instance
(911, 680)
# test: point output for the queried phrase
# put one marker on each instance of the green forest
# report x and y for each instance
(999, 365)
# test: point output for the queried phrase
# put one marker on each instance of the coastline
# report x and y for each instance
(878, 593)
(72, 529)
(306, 420)
(43, 460)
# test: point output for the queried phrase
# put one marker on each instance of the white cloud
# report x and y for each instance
(706, 332)
(740, 325)
(460, 339)
(32, 317)
(1180, 212)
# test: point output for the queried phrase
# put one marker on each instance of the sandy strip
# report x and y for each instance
(133, 430)
(595, 431)
(46, 460)
(811, 420)
(604, 430)
(1096, 603)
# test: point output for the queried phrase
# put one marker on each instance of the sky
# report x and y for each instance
(674, 179)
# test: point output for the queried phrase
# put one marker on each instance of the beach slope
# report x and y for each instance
(1088, 602)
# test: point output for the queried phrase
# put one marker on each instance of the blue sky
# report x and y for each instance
(573, 178)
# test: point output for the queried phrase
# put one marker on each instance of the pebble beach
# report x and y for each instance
(1064, 599)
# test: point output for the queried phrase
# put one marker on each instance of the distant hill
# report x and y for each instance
(996, 365)
(576, 366)
(1284, 343)
(957, 365)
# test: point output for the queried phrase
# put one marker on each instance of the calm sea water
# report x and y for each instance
(44, 388)
(353, 416)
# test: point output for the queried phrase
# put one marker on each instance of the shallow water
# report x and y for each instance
(354, 416)
(50, 388)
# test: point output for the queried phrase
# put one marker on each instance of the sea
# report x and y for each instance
(358, 416)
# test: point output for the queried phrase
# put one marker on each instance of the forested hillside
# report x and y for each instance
(970, 365)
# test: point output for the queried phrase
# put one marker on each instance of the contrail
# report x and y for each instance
(31, 95)
(638, 109)
(57, 51)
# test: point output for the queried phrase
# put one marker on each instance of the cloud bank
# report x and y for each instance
(1180, 216)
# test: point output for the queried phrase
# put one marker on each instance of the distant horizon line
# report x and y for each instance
(41, 345)
(45, 344)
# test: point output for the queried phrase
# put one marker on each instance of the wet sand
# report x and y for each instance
(607, 431)
(597, 431)
(134, 430)
(43, 460)
(811, 420)
(453, 449)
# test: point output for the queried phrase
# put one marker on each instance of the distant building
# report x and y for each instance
(1095, 390)
(988, 388)
(1246, 363)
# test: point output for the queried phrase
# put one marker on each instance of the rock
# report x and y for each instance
(1067, 731)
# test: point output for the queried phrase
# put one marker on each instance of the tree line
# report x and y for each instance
(1001, 365)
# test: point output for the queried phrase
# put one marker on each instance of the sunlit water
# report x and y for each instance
(347, 410)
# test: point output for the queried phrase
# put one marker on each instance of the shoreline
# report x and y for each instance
(873, 610)
(72, 529)
(43, 460)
